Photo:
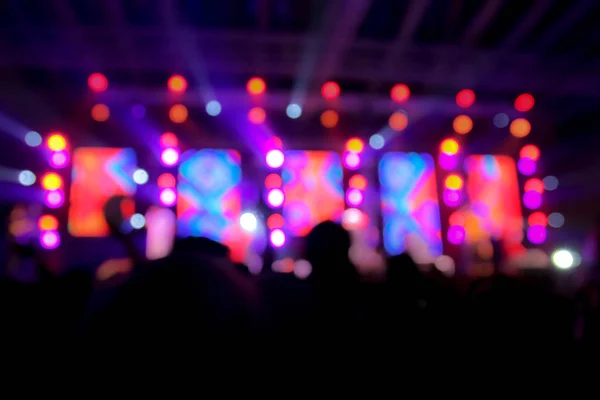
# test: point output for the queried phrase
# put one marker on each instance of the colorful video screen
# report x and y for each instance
(99, 173)
(495, 206)
(313, 188)
(409, 201)
(209, 203)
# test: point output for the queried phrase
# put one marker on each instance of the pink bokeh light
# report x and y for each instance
(49, 240)
(354, 197)
(452, 198)
(54, 198)
(168, 197)
(536, 234)
(448, 161)
(277, 238)
(456, 234)
(59, 159)
(351, 160)
(526, 166)
(169, 157)
(274, 158)
(275, 197)
(532, 200)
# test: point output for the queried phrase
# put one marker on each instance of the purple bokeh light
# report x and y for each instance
(49, 240)
(59, 159)
(536, 234)
(456, 234)
(277, 237)
(351, 160)
(54, 198)
(532, 200)
(526, 166)
(448, 161)
(275, 197)
(354, 197)
(452, 198)
(168, 197)
(169, 157)
(274, 158)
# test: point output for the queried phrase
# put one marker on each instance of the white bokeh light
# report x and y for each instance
(33, 139)
(26, 178)
(140, 176)
(293, 111)
(138, 221)
(563, 259)
(213, 108)
(248, 222)
(377, 141)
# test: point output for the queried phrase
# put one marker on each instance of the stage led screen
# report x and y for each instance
(209, 203)
(312, 184)
(495, 206)
(409, 201)
(98, 174)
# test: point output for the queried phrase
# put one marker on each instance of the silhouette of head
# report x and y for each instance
(327, 247)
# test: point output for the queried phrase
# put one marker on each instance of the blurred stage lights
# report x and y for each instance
(526, 166)
(256, 86)
(550, 183)
(274, 158)
(166, 180)
(168, 197)
(277, 238)
(59, 159)
(354, 197)
(52, 181)
(530, 151)
(169, 157)
(465, 98)
(330, 90)
(398, 121)
(33, 139)
(565, 259)
(524, 102)
(137, 221)
(449, 147)
(178, 113)
(355, 145)
(275, 197)
(400, 93)
(168, 139)
(213, 108)
(501, 120)
(377, 141)
(351, 160)
(47, 223)
(50, 239)
(293, 111)
(329, 118)
(556, 220)
(248, 222)
(56, 142)
(520, 128)
(536, 234)
(140, 176)
(177, 84)
(54, 198)
(100, 113)
(462, 124)
(26, 178)
(98, 82)
(257, 115)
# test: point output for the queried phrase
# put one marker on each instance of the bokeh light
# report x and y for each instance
(526, 166)
(457, 218)
(257, 115)
(213, 108)
(358, 181)
(178, 113)
(454, 182)
(353, 218)
(354, 197)
(330, 90)
(449, 146)
(168, 139)
(277, 238)
(447, 162)
(524, 102)
(275, 197)
(520, 128)
(535, 185)
(52, 181)
(137, 221)
(536, 234)
(248, 222)
(56, 142)
(329, 118)
(293, 111)
(59, 159)
(275, 221)
(50, 239)
(355, 145)
(550, 182)
(168, 197)
(530, 151)
(166, 180)
(537, 218)
(532, 200)
(54, 198)
(501, 120)
(274, 143)
(462, 124)
(377, 141)
(398, 121)
(274, 158)
(177, 84)
(351, 160)
(273, 181)
(47, 223)
(556, 220)
(26, 178)
(452, 198)
(169, 157)
(140, 176)
(563, 259)
(465, 98)
(98, 82)
(100, 112)
(456, 234)
(400, 93)
(256, 86)
(33, 139)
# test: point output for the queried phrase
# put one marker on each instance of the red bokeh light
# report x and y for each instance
(169, 139)
(534, 185)
(465, 98)
(524, 102)
(273, 181)
(256, 86)
(330, 90)
(166, 180)
(257, 115)
(275, 221)
(274, 143)
(530, 151)
(177, 84)
(400, 93)
(98, 82)
(537, 218)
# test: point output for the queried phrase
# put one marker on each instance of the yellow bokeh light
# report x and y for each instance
(449, 146)
(454, 182)
(57, 142)
(51, 181)
(100, 112)
(398, 121)
(329, 119)
(355, 145)
(520, 127)
(47, 223)
(462, 124)
(178, 113)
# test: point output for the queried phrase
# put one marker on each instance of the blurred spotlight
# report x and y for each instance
(51, 181)
(400, 93)
(377, 141)
(138, 111)
(358, 182)
(33, 139)
(520, 128)
(355, 145)
(277, 238)
(274, 143)
(257, 115)
(454, 182)
(354, 197)
(26, 178)
(445, 264)
(556, 220)
(97, 82)
(452, 198)
(302, 269)
(168, 197)
(398, 121)
(100, 112)
(526, 166)
(140, 176)
(456, 234)
(137, 221)
(536, 234)
(532, 200)
(168, 139)
(274, 158)
(178, 113)
(169, 157)
(465, 98)
(537, 218)
(530, 151)
(501, 120)
(457, 218)
(56, 142)
(447, 162)
(330, 90)
(550, 182)
(248, 222)
(54, 198)
(535, 185)
(166, 180)
(563, 259)
(47, 223)
(329, 118)
(177, 84)
(256, 86)
(351, 160)
(275, 221)
(213, 108)
(449, 146)
(353, 218)
(59, 159)
(462, 124)
(275, 197)
(273, 181)
(524, 102)
(50, 239)
(293, 111)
